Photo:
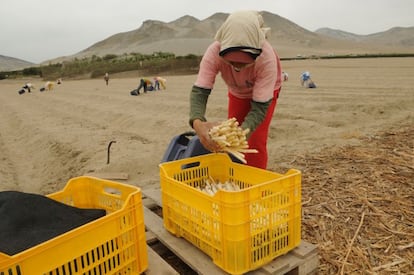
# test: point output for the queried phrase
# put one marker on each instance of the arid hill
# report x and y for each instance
(395, 37)
(189, 35)
(8, 63)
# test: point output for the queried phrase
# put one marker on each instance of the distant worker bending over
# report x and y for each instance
(144, 83)
(48, 86)
(159, 81)
(285, 76)
(28, 86)
(306, 80)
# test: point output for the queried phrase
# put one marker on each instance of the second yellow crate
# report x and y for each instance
(240, 230)
(113, 244)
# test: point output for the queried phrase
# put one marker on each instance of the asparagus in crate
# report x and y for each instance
(211, 186)
(232, 138)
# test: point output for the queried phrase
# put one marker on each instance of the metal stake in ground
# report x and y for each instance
(109, 151)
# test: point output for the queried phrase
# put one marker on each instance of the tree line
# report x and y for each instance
(96, 66)
(148, 64)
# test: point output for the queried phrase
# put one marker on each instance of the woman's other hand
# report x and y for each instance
(202, 130)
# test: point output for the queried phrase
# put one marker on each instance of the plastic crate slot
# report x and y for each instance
(112, 191)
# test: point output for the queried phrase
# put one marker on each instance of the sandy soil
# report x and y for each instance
(48, 137)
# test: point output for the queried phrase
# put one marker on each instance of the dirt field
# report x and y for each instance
(344, 135)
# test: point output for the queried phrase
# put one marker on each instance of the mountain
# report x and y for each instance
(189, 35)
(338, 34)
(186, 35)
(395, 37)
(13, 64)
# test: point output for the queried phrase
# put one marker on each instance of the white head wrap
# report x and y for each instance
(242, 30)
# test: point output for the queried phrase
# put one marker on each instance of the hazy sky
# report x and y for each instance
(38, 30)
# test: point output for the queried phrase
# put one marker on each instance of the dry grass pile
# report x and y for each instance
(358, 205)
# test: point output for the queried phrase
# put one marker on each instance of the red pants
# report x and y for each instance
(238, 108)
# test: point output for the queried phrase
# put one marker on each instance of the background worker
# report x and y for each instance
(28, 86)
(106, 78)
(251, 69)
(49, 85)
(159, 82)
(285, 76)
(304, 77)
(306, 80)
(144, 83)
(156, 84)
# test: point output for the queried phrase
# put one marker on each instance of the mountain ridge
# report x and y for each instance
(396, 36)
(189, 35)
(8, 63)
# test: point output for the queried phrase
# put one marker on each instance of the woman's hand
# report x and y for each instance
(202, 130)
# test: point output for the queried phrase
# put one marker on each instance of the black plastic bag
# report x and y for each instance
(28, 219)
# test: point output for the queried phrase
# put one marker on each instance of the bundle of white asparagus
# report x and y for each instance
(212, 186)
(232, 138)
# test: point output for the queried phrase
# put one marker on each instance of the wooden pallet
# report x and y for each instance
(300, 261)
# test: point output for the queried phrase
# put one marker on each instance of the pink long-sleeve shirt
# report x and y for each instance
(257, 81)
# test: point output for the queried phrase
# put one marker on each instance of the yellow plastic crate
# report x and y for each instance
(240, 230)
(113, 244)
